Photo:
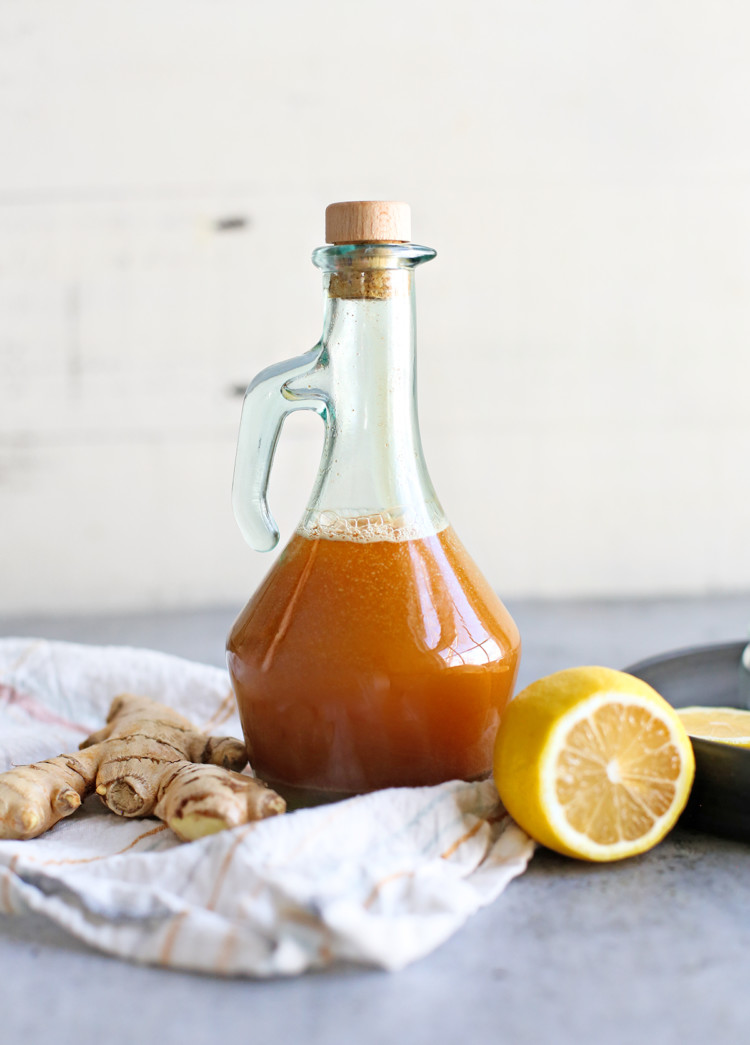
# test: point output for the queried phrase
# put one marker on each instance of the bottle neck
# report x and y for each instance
(373, 482)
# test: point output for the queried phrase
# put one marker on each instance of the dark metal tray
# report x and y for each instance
(709, 676)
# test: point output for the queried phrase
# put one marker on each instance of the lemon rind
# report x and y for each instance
(576, 841)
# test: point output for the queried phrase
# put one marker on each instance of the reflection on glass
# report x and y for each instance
(745, 677)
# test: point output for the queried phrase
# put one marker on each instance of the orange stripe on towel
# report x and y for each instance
(460, 841)
(7, 879)
(227, 863)
(104, 856)
(228, 947)
(383, 882)
(224, 711)
(174, 927)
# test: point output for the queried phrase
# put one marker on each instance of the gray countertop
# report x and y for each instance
(653, 949)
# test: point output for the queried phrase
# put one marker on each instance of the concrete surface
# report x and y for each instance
(655, 949)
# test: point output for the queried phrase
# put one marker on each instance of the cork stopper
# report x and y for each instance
(368, 221)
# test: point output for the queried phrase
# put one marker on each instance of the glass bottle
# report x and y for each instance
(374, 653)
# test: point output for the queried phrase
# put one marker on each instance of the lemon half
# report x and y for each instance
(593, 763)
(729, 725)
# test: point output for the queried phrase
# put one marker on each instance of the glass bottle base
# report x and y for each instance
(309, 798)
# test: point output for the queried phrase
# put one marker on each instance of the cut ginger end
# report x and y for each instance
(190, 828)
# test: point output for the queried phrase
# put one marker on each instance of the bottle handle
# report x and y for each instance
(268, 401)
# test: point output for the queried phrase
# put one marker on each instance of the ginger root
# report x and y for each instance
(140, 739)
(197, 800)
(33, 798)
(147, 760)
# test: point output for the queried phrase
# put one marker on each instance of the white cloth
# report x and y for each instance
(380, 879)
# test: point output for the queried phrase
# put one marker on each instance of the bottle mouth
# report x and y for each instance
(370, 256)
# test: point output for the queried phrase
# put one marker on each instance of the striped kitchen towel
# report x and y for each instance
(380, 879)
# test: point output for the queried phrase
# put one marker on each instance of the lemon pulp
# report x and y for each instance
(729, 725)
(616, 772)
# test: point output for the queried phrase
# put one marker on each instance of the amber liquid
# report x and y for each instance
(366, 665)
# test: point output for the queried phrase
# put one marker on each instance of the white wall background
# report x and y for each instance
(583, 169)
